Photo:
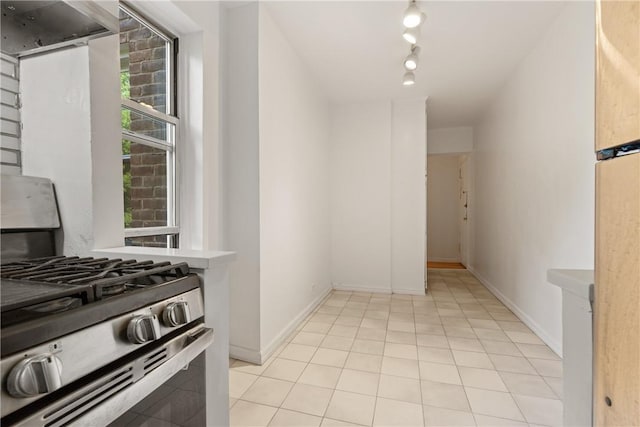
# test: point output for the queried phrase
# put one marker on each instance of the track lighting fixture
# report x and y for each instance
(412, 16)
(409, 78)
(412, 20)
(411, 61)
(411, 35)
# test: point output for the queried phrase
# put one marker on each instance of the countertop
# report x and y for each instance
(578, 282)
(195, 258)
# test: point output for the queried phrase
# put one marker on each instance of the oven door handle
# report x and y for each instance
(107, 397)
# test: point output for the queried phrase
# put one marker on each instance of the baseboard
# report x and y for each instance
(291, 326)
(355, 288)
(525, 318)
(443, 260)
(409, 291)
(244, 354)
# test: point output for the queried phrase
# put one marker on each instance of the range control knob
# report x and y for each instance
(176, 314)
(143, 328)
(35, 375)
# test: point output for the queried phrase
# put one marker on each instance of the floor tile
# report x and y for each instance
(364, 362)
(240, 382)
(528, 385)
(358, 382)
(501, 347)
(518, 365)
(399, 388)
(319, 375)
(299, 352)
(472, 359)
(343, 331)
(401, 337)
(403, 351)
(286, 418)
(395, 413)
(328, 422)
(537, 351)
(283, 369)
(330, 357)
(250, 368)
(371, 334)
(436, 355)
(482, 378)
(401, 326)
(368, 346)
(487, 421)
(547, 368)
(400, 367)
(316, 327)
(513, 326)
(452, 331)
(524, 337)
(337, 343)
(484, 324)
(324, 318)
(348, 320)
(426, 340)
(308, 338)
(268, 391)
(467, 344)
(491, 334)
(244, 414)
(442, 395)
(351, 407)
(373, 323)
(538, 410)
(493, 403)
(434, 416)
(556, 385)
(439, 373)
(308, 399)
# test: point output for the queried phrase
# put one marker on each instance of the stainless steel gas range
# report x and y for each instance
(84, 339)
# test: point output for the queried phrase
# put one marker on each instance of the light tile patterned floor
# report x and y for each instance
(454, 357)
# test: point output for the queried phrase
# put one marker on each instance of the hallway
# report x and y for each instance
(454, 357)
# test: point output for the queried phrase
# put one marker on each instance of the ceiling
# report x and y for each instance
(355, 49)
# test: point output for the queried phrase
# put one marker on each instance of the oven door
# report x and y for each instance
(113, 390)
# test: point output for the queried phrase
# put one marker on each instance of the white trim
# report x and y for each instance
(526, 319)
(295, 322)
(145, 110)
(150, 231)
(356, 288)
(244, 354)
(146, 140)
(429, 259)
(409, 291)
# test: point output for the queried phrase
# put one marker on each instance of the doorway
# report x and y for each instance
(447, 210)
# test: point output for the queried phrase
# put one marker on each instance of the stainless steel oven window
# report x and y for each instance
(149, 131)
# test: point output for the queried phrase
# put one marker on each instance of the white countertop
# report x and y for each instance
(195, 258)
(578, 282)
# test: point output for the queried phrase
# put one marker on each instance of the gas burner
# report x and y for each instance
(117, 289)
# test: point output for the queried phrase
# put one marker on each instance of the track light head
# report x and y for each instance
(409, 79)
(411, 61)
(412, 16)
(411, 35)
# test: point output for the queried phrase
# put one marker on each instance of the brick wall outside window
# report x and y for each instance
(147, 55)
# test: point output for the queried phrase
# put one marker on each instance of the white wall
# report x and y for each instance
(408, 204)
(443, 201)
(71, 135)
(377, 182)
(241, 232)
(534, 174)
(294, 187)
(450, 140)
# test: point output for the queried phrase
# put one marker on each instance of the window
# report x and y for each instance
(149, 125)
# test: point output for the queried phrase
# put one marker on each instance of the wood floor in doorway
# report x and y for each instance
(449, 265)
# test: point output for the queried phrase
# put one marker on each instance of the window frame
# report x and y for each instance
(170, 146)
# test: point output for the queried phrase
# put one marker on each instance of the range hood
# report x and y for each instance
(33, 27)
